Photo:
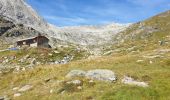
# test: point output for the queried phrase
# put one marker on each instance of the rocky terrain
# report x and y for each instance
(106, 62)
(19, 12)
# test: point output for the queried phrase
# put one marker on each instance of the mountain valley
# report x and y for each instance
(90, 62)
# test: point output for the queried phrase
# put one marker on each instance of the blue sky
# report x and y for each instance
(94, 12)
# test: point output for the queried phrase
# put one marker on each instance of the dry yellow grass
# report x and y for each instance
(156, 74)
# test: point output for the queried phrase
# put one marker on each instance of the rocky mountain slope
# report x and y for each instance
(137, 65)
(11, 32)
(150, 34)
(19, 12)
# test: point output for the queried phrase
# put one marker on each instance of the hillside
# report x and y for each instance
(140, 52)
(150, 34)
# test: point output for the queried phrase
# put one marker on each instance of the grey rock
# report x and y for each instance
(12, 57)
(97, 74)
(101, 75)
(131, 81)
(76, 73)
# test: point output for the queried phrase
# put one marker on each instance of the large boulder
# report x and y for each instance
(76, 73)
(101, 75)
(97, 74)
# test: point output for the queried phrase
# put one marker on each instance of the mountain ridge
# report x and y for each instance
(22, 13)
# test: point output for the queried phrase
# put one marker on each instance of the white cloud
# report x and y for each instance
(67, 19)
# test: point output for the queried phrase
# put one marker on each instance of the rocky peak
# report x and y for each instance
(20, 12)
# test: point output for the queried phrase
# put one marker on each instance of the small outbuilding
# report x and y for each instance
(39, 41)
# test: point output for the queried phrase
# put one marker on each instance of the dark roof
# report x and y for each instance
(30, 38)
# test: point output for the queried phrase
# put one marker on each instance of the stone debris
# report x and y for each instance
(65, 60)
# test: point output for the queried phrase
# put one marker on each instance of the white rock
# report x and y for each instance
(91, 81)
(6, 61)
(131, 81)
(76, 82)
(139, 61)
(56, 52)
(153, 56)
(25, 88)
(151, 62)
(17, 68)
(26, 57)
(17, 94)
(23, 69)
(50, 54)
(51, 91)
(79, 87)
(15, 88)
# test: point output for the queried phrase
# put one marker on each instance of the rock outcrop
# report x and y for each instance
(97, 74)
(130, 81)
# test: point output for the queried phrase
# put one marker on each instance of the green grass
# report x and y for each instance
(123, 62)
(156, 74)
(43, 55)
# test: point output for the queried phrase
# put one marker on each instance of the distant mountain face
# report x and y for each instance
(89, 35)
(19, 12)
